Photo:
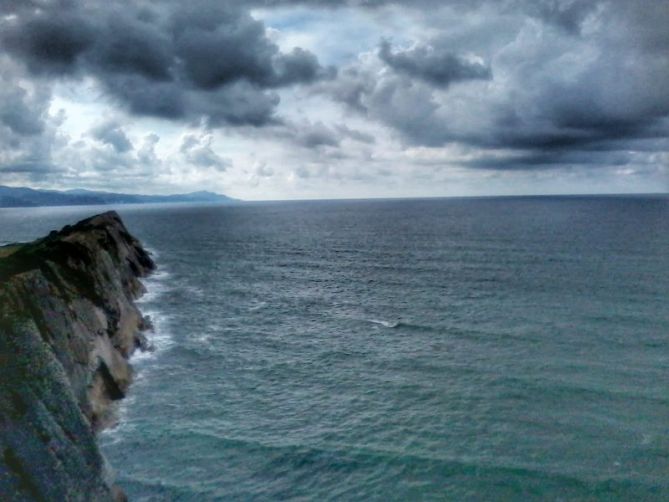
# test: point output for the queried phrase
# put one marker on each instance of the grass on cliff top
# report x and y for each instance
(10, 249)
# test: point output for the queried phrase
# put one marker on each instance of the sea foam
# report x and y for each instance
(386, 324)
(159, 336)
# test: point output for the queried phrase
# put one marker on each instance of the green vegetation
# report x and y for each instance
(9, 249)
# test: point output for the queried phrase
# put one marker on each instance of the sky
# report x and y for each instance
(282, 99)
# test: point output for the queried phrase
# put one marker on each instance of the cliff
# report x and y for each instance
(68, 325)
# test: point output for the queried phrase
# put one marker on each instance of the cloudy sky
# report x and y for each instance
(281, 99)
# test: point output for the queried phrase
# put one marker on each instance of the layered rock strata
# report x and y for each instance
(68, 325)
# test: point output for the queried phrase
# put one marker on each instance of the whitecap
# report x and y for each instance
(387, 324)
(156, 285)
(257, 305)
(153, 252)
(159, 337)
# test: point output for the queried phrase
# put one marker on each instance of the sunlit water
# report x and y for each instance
(483, 349)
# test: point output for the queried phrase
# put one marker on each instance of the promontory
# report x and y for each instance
(68, 326)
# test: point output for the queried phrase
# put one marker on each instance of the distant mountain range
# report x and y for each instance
(28, 197)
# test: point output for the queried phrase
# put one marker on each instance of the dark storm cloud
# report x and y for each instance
(566, 14)
(49, 43)
(352, 88)
(435, 65)
(320, 137)
(142, 96)
(299, 66)
(18, 115)
(35, 169)
(238, 104)
(563, 82)
(220, 45)
(550, 159)
(197, 151)
(195, 60)
(132, 46)
(563, 91)
(27, 131)
(316, 135)
(112, 134)
(371, 4)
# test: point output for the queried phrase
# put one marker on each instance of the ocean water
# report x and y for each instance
(456, 349)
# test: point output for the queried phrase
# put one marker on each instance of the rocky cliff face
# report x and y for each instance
(68, 325)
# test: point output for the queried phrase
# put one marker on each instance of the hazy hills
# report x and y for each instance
(28, 197)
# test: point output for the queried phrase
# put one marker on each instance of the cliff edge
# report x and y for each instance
(68, 325)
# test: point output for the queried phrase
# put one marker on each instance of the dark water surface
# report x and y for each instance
(472, 349)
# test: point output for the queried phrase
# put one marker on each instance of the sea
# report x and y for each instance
(477, 349)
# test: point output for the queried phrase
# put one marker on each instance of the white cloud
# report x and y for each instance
(467, 98)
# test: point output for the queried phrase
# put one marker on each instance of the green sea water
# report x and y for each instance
(455, 349)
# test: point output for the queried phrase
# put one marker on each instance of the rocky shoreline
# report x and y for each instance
(68, 326)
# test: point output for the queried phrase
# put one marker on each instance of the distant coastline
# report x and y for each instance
(29, 197)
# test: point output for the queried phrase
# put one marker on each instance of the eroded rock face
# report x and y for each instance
(68, 325)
